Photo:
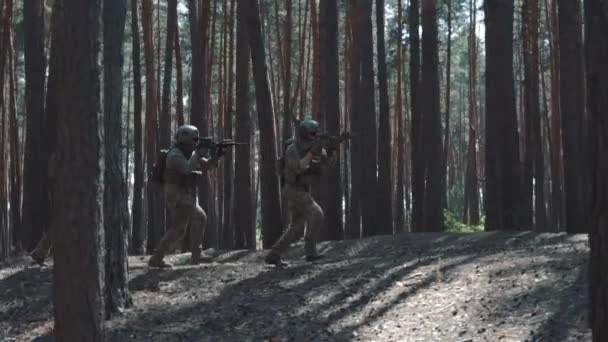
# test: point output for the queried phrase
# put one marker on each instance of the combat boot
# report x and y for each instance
(39, 259)
(157, 261)
(274, 259)
(311, 258)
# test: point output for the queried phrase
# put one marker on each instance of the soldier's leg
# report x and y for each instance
(41, 252)
(181, 218)
(294, 231)
(314, 222)
(198, 224)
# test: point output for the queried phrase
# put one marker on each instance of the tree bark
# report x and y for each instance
(271, 217)
(433, 220)
(534, 152)
(116, 214)
(139, 229)
(369, 212)
(165, 114)
(179, 91)
(400, 220)
(503, 179)
(471, 192)
(77, 226)
(556, 141)
(155, 213)
(596, 26)
(572, 94)
(330, 110)
(384, 194)
(35, 206)
(446, 133)
(243, 220)
(418, 164)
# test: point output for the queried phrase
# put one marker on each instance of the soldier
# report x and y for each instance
(302, 167)
(184, 161)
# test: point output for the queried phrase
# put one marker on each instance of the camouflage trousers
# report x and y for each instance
(43, 248)
(304, 212)
(185, 216)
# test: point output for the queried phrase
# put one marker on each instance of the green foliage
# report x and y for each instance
(454, 225)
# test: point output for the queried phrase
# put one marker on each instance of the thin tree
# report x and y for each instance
(330, 110)
(384, 194)
(446, 132)
(34, 181)
(77, 225)
(418, 164)
(271, 217)
(400, 129)
(433, 220)
(503, 179)
(243, 220)
(139, 230)
(116, 214)
(572, 100)
(155, 209)
(471, 192)
(596, 26)
(370, 211)
(556, 141)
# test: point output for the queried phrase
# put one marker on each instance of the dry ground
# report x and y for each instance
(417, 287)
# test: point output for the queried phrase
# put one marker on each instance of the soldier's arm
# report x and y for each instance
(177, 161)
(296, 164)
(209, 163)
(329, 157)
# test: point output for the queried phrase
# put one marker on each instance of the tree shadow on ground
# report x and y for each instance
(305, 301)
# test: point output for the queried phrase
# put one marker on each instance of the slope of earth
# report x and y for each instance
(494, 286)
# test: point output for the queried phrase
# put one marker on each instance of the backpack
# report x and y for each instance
(158, 169)
(282, 160)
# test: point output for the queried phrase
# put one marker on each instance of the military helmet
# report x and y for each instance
(308, 129)
(187, 134)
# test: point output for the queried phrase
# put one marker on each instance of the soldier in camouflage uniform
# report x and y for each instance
(302, 169)
(183, 164)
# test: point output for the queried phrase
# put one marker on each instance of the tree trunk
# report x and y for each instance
(139, 230)
(179, 91)
(596, 26)
(228, 229)
(316, 64)
(503, 179)
(400, 221)
(556, 141)
(271, 217)
(165, 114)
(243, 217)
(353, 229)
(433, 220)
(572, 110)
(35, 206)
(15, 165)
(384, 194)
(330, 110)
(369, 213)
(446, 135)
(418, 164)
(155, 213)
(77, 226)
(116, 214)
(532, 111)
(471, 192)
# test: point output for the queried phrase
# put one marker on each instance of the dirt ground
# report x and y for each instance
(494, 286)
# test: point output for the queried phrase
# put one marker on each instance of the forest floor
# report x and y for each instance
(495, 286)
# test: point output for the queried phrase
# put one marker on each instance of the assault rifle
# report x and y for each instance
(330, 142)
(218, 146)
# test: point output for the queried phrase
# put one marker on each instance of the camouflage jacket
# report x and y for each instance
(300, 174)
(180, 175)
